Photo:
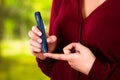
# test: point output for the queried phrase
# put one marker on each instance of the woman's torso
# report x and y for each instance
(99, 31)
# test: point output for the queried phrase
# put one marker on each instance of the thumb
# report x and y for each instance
(77, 46)
(68, 48)
(52, 39)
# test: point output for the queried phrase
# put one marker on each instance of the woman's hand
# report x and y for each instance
(35, 42)
(82, 60)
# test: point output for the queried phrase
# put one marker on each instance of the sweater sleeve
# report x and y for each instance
(105, 71)
(47, 65)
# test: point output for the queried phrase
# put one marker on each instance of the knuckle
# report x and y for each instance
(31, 42)
(64, 50)
(33, 28)
(29, 33)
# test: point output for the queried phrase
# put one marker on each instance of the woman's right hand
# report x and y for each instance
(35, 42)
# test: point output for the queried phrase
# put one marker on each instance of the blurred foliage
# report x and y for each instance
(18, 63)
(16, 19)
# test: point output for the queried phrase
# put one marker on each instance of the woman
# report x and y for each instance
(85, 33)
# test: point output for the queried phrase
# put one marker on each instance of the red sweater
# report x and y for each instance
(100, 32)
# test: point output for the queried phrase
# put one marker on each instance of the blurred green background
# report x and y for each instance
(16, 19)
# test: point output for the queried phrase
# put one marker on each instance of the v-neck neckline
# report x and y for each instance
(97, 8)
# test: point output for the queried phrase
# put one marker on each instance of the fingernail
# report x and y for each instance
(39, 40)
(39, 33)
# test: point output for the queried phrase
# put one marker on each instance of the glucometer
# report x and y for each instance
(41, 27)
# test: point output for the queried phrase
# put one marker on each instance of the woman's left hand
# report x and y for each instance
(81, 60)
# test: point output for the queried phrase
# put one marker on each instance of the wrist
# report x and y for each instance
(89, 66)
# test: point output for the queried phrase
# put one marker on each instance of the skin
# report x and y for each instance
(35, 42)
(82, 60)
(88, 6)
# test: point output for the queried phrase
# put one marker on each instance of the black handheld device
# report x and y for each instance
(40, 25)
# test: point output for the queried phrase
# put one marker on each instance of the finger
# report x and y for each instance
(35, 49)
(68, 48)
(36, 30)
(33, 36)
(51, 39)
(35, 43)
(57, 56)
(40, 55)
(79, 47)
